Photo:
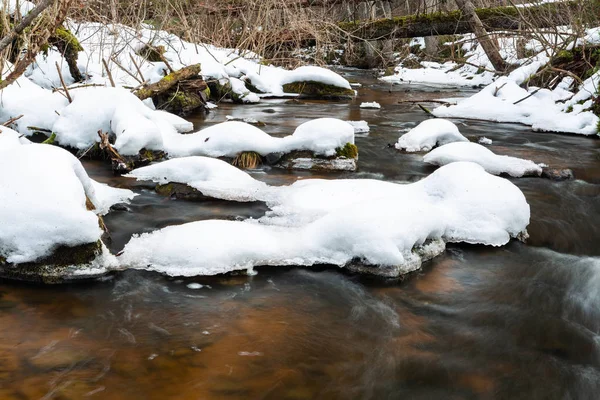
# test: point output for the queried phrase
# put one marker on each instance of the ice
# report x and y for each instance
(372, 104)
(381, 224)
(492, 163)
(428, 134)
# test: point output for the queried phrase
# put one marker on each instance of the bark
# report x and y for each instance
(168, 82)
(8, 39)
(489, 45)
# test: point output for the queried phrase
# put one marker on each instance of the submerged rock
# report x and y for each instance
(557, 174)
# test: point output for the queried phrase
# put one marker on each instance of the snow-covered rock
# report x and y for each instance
(321, 136)
(428, 134)
(210, 176)
(492, 163)
(360, 127)
(43, 197)
(393, 227)
(315, 74)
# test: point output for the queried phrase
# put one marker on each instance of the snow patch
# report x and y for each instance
(428, 134)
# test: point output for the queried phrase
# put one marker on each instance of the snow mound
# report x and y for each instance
(210, 176)
(428, 134)
(228, 139)
(315, 74)
(118, 111)
(43, 201)
(373, 104)
(107, 196)
(383, 226)
(492, 163)
(10, 138)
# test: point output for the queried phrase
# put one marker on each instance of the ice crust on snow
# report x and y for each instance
(377, 222)
(428, 134)
(492, 163)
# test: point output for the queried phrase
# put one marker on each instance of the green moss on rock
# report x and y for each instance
(349, 151)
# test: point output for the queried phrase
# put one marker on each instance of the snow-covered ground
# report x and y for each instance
(566, 108)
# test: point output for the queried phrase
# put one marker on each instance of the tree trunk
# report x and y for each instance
(489, 45)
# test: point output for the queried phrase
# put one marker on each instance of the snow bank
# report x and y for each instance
(212, 177)
(492, 163)
(535, 107)
(227, 139)
(107, 196)
(383, 226)
(428, 134)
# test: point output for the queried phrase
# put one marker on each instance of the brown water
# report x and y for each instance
(521, 321)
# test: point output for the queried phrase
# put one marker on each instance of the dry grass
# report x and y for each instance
(247, 160)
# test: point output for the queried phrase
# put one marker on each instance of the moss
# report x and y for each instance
(318, 90)
(218, 90)
(349, 151)
(182, 103)
(68, 38)
(164, 190)
(569, 109)
(563, 57)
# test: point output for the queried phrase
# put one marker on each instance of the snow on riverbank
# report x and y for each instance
(334, 222)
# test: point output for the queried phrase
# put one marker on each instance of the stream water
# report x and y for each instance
(517, 322)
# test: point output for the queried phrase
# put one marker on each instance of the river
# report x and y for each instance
(516, 322)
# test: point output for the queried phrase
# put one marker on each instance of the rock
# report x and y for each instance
(557, 174)
(62, 266)
(345, 160)
(128, 163)
(318, 90)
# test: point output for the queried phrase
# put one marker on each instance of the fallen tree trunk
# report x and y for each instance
(455, 22)
(168, 82)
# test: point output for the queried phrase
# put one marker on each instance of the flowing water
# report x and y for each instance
(517, 322)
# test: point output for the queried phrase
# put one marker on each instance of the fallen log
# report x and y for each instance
(168, 82)
(454, 22)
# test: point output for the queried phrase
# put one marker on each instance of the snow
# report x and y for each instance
(360, 127)
(107, 196)
(118, 111)
(492, 163)
(380, 223)
(372, 104)
(484, 140)
(24, 6)
(239, 88)
(315, 74)
(212, 177)
(428, 134)
(43, 201)
(228, 139)
(10, 138)
(540, 110)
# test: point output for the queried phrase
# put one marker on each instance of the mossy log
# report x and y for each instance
(454, 22)
(68, 45)
(168, 82)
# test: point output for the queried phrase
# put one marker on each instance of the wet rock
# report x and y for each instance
(345, 160)
(558, 174)
(418, 256)
(318, 90)
(273, 158)
(58, 358)
(126, 164)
